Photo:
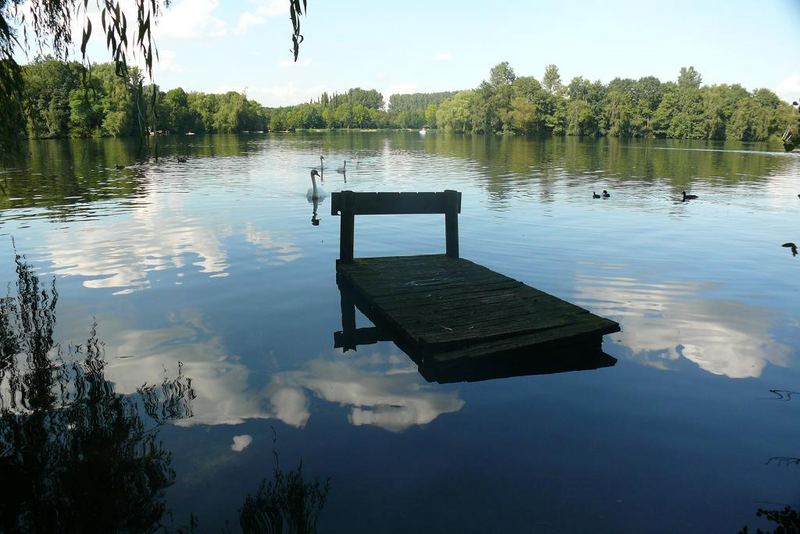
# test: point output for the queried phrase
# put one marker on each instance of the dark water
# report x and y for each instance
(214, 263)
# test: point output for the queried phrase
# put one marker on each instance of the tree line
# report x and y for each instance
(647, 107)
(64, 99)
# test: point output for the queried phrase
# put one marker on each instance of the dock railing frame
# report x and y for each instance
(348, 204)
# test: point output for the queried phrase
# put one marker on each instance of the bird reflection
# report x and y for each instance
(314, 218)
(783, 394)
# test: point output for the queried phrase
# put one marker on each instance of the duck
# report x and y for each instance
(791, 246)
(688, 197)
(119, 167)
(343, 168)
(606, 194)
(315, 192)
(182, 159)
(595, 195)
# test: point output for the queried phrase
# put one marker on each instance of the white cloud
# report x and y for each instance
(443, 56)
(279, 95)
(166, 63)
(240, 443)
(789, 88)
(286, 63)
(191, 19)
(263, 11)
(399, 89)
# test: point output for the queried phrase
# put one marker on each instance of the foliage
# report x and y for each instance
(285, 504)
(623, 108)
(791, 137)
(61, 100)
(74, 455)
(50, 24)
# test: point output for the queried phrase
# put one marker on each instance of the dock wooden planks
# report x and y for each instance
(451, 308)
(444, 311)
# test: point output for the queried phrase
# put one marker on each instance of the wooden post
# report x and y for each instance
(348, 321)
(453, 205)
(347, 228)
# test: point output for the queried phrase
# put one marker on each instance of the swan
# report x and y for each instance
(688, 197)
(315, 192)
(595, 195)
(605, 194)
(343, 168)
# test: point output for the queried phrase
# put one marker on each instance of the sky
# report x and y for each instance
(445, 45)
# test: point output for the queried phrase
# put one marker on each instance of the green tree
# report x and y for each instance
(430, 115)
(454, 113)
(552, 80)
(689, 78)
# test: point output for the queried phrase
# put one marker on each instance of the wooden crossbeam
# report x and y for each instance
(348, 204)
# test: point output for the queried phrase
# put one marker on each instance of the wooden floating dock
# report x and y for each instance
(443, 309)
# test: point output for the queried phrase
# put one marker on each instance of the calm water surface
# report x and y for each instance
(215, 264)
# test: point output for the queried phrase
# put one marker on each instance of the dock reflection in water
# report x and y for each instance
(554, 358)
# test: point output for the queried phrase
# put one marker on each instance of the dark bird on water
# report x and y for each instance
(605, 194)
(182, 159)
(688, 197)
(595, 195)
(791, 246)
(119, 167)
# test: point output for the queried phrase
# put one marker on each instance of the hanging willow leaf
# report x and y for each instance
(86, 34)
(144, 28)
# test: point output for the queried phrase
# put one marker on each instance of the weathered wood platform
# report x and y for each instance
(452, 308)
(558, 357)
(442, 309)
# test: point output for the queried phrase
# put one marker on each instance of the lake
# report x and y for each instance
(210, 286)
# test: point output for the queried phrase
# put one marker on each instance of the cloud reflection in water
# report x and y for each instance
(380, 390)
(121, 252)
(383, 390)
(663, 322)
(156, 236)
